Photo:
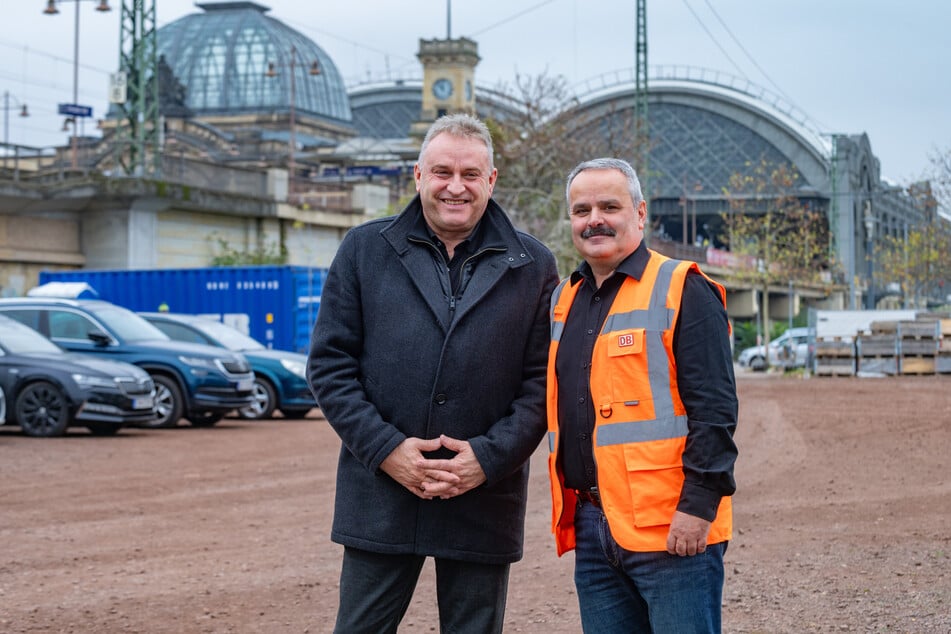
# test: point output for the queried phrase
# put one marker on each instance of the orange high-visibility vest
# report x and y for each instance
(640, 422)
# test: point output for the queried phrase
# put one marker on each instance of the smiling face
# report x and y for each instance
(454, 179)
(605, 225)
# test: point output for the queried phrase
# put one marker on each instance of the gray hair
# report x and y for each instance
(633, 184)
(460, 125)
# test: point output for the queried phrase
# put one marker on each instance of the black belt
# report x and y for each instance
(591, 496)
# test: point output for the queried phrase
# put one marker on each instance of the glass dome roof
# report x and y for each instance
(222, 57)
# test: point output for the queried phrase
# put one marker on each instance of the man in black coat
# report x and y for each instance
(428, 359)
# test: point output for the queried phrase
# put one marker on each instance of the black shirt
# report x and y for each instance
(704, 378)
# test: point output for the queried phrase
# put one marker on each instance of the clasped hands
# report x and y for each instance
(430, 478)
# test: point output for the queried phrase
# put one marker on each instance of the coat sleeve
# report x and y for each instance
(333, 365)
(510, 442)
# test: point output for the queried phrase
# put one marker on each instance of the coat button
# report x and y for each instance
(440, 399)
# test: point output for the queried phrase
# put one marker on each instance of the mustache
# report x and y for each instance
(601, 230)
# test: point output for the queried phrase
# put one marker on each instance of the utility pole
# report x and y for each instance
(138, 130)
(641, 129)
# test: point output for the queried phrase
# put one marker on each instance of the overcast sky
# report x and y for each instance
(852, 66)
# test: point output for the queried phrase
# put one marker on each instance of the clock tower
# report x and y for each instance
(448, 79)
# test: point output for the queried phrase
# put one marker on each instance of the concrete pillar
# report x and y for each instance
(742, 304)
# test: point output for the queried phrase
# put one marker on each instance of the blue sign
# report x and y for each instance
(75, 110)
(364, 170)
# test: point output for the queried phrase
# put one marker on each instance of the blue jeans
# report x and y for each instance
(655, 592)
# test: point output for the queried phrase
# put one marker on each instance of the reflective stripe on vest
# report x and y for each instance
(656, 319)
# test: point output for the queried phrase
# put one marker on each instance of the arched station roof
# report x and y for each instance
(705, 126)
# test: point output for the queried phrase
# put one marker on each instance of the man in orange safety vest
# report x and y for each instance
(641, 413)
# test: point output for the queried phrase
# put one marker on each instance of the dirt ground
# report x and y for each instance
(843, 519)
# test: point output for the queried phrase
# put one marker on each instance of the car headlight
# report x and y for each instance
(199, 362)
(294, 367)
(86, 381)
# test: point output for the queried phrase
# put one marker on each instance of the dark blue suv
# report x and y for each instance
(201, 383)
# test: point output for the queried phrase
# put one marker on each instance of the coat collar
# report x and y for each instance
(499, 232)
(500, 236)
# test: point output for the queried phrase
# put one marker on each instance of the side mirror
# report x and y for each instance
(99, 338)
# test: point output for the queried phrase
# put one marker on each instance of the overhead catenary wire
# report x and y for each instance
(715, 41)
(511, 17)
(746, 53)
(749, 57)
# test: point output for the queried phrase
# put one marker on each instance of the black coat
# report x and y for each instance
(387, 363)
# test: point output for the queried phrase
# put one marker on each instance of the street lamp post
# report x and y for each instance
(313, 69)
(869, 219)
(51, 9)
(6, 122)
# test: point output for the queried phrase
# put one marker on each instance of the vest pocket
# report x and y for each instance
(655, 478)
(625, 342)
(626, 367)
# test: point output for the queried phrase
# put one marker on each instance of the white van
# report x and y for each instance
(788, 350)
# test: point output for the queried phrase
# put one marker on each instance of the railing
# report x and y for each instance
(679, 251)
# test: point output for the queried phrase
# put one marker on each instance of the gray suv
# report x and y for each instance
(201, 383)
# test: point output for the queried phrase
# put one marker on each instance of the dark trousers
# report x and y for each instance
(376, 589)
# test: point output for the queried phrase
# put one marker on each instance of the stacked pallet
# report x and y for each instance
(918, 345)
(877, 351)
(834, 356)
(900, 347)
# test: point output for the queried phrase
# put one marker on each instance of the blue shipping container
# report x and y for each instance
(277, 305)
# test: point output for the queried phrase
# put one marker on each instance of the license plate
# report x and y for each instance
(146, 402)
(245, 385)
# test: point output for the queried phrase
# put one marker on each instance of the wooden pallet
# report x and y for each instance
(834, 366)
(836, 347)
(917, 346)
(877, 364)
(920, 329)
(833, 371)
(876, 345)
(924, 364)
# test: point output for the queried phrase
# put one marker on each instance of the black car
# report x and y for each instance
(279, 376)
(45, 389)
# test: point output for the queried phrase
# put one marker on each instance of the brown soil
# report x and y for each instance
(843, 520)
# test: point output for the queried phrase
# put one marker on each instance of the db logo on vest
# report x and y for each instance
(623, 341)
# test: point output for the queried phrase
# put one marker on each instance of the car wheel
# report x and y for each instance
(265, 400)
(103, 429)
(41, 410)
(204, 419)
(757, 364)
(295, 414)
(168, 402)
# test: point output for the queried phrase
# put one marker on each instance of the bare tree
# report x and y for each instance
(941, 179)
(536, 145)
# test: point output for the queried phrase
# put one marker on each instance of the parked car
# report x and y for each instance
(789, 350)
(44, 389)
(279, 377)
(198, 382)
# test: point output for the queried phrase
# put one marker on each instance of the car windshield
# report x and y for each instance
(226, 335)
(20, 339)
(127, 325)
